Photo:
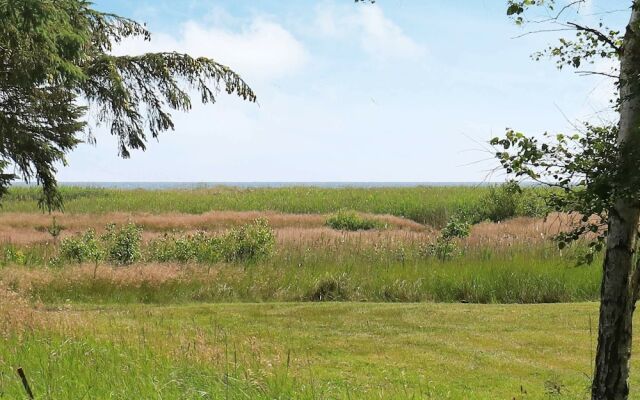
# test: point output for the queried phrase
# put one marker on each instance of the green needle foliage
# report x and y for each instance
(56, 63)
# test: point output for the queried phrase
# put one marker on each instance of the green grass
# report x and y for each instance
(428, 205)
(307, 351)
(98, 341)
(346, 220)
(396, 274)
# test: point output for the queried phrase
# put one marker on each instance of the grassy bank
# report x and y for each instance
(426, 205)
(319, 351)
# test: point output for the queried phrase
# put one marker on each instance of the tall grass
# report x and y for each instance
(397, 272)
(427, 205)
(298, 351)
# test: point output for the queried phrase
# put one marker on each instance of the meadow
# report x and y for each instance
(282, 293)
(304, 351)
(430, 205)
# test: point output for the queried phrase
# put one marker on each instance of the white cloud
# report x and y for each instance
(378, 35)
(262, 50)
(382, 36)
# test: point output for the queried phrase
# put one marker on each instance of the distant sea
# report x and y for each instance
(195, 185)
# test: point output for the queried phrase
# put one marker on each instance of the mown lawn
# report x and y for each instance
(310, 351)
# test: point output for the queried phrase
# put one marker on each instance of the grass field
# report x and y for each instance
(427, 205)
(327, 314)
(308, 351)
(511, 262)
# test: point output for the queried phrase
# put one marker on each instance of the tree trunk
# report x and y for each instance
(618, 290)
(616, 307)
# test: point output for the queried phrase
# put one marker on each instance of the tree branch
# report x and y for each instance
(596, 73)
(604, 38)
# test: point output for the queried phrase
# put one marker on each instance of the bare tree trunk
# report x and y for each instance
(616, 308)
(619, 285)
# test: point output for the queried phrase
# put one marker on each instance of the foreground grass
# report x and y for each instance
(427, 205)
(308, 351)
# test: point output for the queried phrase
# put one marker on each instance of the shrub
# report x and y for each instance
(507, 201)
(445, 246)
(534, 203)
(352, 221)
(187, 248)
(249, 242)
(501, 202)
(123, 245)
(456, 228)
(442, 249)
(81, 248)
(162, 249)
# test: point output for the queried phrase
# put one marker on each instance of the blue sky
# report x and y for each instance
(397, 91)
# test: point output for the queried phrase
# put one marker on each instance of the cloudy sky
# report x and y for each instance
(403, 90)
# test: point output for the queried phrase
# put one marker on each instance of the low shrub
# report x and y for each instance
(82, 248)
(352, 221)
(123, 245)
(249, 242)
(456, 228)
(198, 247)
(507, 201)
(501, 202)
(445, 246)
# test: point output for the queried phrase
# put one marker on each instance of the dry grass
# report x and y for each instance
(137, 275)
(18, 315)
(25, 228)
(520, 230)
(307, 230)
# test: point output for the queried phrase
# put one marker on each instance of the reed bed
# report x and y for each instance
(425, 205)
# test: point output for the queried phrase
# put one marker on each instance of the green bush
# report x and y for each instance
(445, 246)
(249, 242)
(509, 200)
(123, 245)
(534, 203)
(352, 221)
(500, 203)
(198, 247)
(456, 228)
(82, 248)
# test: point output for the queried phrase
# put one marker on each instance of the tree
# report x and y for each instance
(56, 64)
(596, 170)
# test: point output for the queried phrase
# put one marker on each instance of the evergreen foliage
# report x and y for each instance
(56, 63)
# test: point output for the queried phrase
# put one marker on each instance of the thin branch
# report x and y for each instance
(558, 14)
(542, 31)
(604, 38)
(596, 73)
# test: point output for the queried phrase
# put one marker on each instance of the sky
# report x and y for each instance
(398, 91)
